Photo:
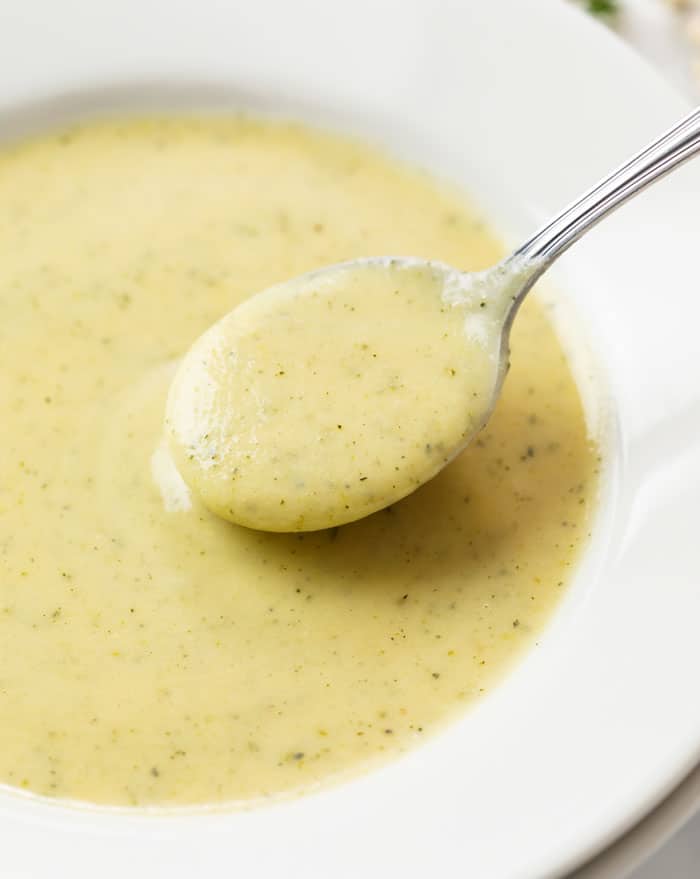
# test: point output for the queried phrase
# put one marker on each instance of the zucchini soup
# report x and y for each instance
(152, 652)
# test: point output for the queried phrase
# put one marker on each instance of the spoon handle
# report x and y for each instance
(677, 145)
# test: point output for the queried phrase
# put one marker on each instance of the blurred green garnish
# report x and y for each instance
(603, 7)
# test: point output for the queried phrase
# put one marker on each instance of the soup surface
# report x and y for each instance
(151, 652)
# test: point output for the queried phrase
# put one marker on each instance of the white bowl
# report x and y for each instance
(524, 102)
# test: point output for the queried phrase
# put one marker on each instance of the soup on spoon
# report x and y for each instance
(324, 399)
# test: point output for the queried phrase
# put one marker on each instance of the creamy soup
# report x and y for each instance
(151, 652)
(330, 396)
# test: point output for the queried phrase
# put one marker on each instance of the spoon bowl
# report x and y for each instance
(300, 410)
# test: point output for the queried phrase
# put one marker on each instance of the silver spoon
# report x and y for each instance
(277, 463)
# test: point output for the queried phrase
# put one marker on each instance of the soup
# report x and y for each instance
(152, 653)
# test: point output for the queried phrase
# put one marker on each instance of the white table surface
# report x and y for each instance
(658, 32)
